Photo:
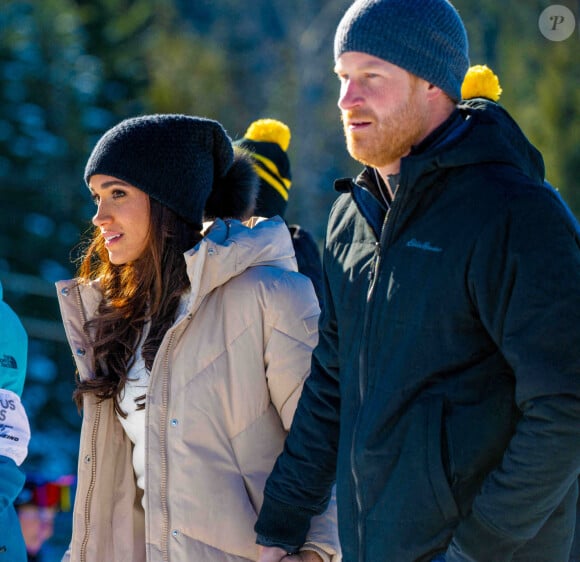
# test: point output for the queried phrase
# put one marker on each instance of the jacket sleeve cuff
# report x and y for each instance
(326, 557)
(476, 541)
(14, 427)
(282, 525)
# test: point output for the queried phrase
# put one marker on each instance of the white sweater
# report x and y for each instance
(136, 387)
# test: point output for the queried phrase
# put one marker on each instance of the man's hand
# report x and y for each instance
(275, 554)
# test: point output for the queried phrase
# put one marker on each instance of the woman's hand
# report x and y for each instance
(275, 554)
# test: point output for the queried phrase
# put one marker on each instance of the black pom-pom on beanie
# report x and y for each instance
(234, 195)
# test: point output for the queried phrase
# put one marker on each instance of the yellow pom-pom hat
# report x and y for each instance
(270, 130)
(480, 82)
(267, 141)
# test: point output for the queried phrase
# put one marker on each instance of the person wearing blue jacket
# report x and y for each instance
(14, 430)
(444, 396)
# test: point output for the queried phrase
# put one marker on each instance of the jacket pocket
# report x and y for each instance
(477, 434)
(416, 511)
(437, 448)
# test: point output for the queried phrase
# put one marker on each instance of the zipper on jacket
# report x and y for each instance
(374, 270)
(353, 469)
(89, 499)
(391, 216)
(163, 449)
(171, 334)
(381, 245)
(93, 453)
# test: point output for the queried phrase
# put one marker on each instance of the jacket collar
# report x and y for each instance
(230, 247)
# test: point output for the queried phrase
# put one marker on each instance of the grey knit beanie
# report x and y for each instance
(425, 37)
(175, 159)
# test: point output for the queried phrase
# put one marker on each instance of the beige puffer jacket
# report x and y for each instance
(222, 393)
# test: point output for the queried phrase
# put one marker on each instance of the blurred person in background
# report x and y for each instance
(267, 141)
(37, 506)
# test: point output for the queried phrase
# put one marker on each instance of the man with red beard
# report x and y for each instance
(444, 396)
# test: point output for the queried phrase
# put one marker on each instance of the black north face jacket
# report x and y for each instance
(445, 389)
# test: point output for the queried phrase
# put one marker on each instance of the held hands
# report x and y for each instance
(275, 554)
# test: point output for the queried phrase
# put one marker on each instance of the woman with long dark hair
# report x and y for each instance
(191, 343)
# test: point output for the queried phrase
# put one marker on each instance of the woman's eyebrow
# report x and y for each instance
(106, 184)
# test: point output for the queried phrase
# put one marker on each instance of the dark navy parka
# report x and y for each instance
(444, 396)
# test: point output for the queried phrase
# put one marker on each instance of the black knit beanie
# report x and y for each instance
(425, 37)
(175, 159)
(267, 140)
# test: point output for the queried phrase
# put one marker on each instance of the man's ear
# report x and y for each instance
(434, 92)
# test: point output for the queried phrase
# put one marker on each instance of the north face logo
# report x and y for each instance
(8, 361)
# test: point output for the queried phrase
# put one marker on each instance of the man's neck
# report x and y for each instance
(392, 169)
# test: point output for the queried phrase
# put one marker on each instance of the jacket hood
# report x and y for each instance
(479, 132)
(230, 247)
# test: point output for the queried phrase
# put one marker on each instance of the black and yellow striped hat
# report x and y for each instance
(267, 141)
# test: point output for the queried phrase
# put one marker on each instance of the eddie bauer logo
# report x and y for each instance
(423, 246)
